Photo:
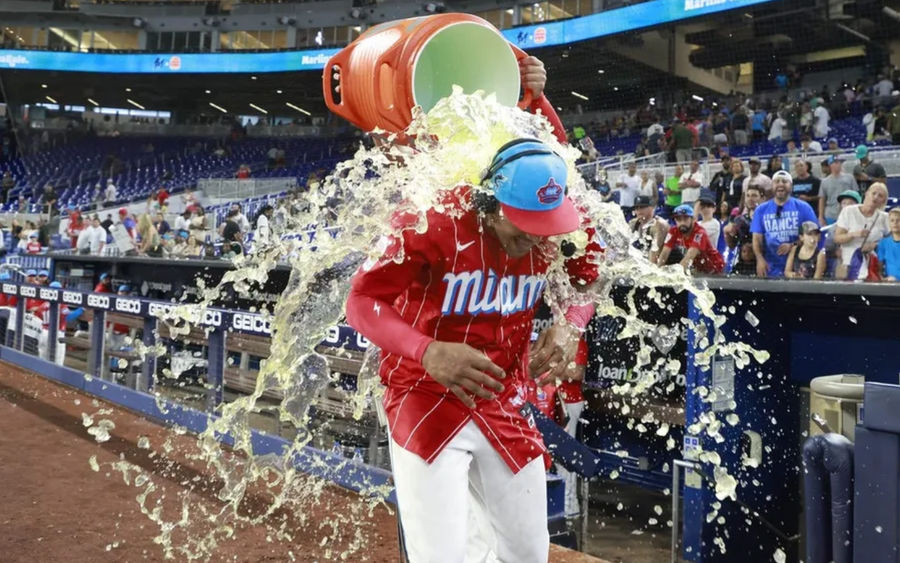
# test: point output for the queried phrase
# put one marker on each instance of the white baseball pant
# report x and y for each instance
(444, 505)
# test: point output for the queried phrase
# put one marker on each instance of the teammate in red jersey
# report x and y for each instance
(699, 253)
(453, 319)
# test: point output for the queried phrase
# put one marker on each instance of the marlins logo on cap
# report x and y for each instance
(550, 193)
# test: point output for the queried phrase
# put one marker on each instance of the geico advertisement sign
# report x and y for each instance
(250, 323)
(627, 375)
(72, 298)
(49, 294)
(333, 337)
(9, 288)
(210, 317)
(132, 306)
(98, 301)
(26, 291)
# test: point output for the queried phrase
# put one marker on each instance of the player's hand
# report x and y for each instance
(762, 267)
(553, 352)
(534, 75)
(784, 248)
(463, 370)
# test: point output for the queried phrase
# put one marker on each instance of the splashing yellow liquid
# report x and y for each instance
(349, 214)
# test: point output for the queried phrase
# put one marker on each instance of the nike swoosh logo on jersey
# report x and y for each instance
(461, 247)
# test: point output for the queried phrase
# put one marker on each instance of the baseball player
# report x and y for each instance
(453, 319)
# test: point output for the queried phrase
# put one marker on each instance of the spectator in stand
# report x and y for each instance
(232, 235)
(193, 248)
(243, 172)
(721, 179)
(648, 186)
(198, 221)
(758, 124)
(757, 179)
(151, 242)
(791, 148)
(737, 233)
(807, 259)
(732, 192)
(776, 227)
(6, 185)
(688, 236)
(867, 171)
(706, 207)
(821, 118)
(240, 218)
(777, 129)
(128, 222)
(672, 190)
(831, 187)
(833, 146)
(162, 226)
(881, 91)
(49, 200)
(861, 227)
(740, 125)
(888, 250)
(183, 221)
(774, 165)
(721, 129)
(682, 141)
(162, 196)
(107, 223)
(659, 197)
(809, 146)
(92, 238)
(110, 194)
(628, 185)
(76, 225)
(33, 246)
(263, 231)
(648, 229)
(806, 186)
(690, 184)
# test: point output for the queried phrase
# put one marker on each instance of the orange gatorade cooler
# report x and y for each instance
(377, 80)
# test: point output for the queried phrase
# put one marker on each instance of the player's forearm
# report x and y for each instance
(379, 322)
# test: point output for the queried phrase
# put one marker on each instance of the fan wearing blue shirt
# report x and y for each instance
(888, 249)
(776, 227)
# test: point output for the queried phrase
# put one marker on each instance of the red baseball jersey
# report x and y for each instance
(43, 312)
(453, 283)
(709, 261)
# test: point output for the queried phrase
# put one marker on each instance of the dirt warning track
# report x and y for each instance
(55, 507)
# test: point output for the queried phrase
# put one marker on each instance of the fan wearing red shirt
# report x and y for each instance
(33, 246)
(453, 319)
(699, 253)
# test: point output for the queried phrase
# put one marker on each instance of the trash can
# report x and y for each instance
(837, 399)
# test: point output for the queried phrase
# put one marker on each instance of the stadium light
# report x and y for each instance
(252, 78)
(279, 92)
(128, 89)
(134, 103)
(218, 107)
(891, 13)
(696, 97)
(301, 110)
(51, 100)
(615, 88)
(257, 108)
(577, 95)
(43, 85)
(208, 91)
(319, 38)
(601, 71)
(93, 102)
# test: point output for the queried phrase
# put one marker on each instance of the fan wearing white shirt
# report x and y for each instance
(690, 184)
(110, 194)
(628, 186)
(92, 238)
(821, 117)
(776, 131)
(183, 221)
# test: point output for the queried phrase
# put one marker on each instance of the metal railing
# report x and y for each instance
(232, 189)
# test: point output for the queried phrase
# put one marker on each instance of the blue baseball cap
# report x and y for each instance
(56, 285)
(124, 288)
(683, 209)
(529, 181)
(45, 273)
(30, 273)
(103, 276)
(4, 275)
